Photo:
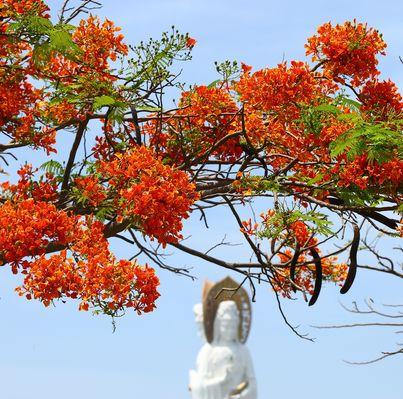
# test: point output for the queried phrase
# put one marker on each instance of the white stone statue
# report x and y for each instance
(223, 368)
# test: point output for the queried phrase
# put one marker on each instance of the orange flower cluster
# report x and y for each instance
(206, 116)
(279, 89)
(109, 283)
(94, 276)
(274, 99)
(19, 109)
(100, 43)
(365, 174)
(382, 99)
(154, 196)
(35, 226)
(90, 273)
(8, 8)
(347, 50)
(63, 111)
(19, 98)
(90, 73)
(91, 190)
(301, 233)
(43, 190)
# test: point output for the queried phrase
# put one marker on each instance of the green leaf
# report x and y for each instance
(41, 54)
(377, 142)
(13, 26)
(352, 104)
(214, 83)
(53, 167)
(66, 27)
(103, 213)
(318, 177)
(332, 109)
(39, 24)
(62, 42)
(103, 101)
(354, 118)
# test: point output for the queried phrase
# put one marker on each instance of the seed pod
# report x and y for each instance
(318, 279)
(352, 270)
(293, 263)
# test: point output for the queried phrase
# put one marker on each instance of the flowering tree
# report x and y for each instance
(322, 141)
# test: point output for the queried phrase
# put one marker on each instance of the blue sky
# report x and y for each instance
(62, 353)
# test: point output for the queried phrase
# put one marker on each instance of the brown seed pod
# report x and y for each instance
(293, 264)
(352, 270)
(318, 279)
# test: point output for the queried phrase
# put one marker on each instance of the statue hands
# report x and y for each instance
(237, 392)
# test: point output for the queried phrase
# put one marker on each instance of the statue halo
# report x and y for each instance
(226, 290)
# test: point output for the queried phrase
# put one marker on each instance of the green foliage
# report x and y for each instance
(318, 177)
(103, 213)
(152, 63)
(376, 141)
(45, 37)
(60, 40)
(148, 108)
(317, 223)
(312, 118)
(32, 25)
(229, 71)
(38, 25)
(327, 108)
(353, 105)
(214, 83)
(259, 185)
(357, 197)
(103, 101)
(53, 167)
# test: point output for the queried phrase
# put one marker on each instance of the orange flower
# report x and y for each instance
(190, 42)
(348, 50)
(382, 99)
(91, 190)
(245, 68)
(155, 195)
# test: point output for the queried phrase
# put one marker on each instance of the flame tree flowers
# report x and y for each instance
(330, 163)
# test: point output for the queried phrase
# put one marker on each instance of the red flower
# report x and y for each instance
(347, 50)
(382, 99)
(190, 42)
(245, 68)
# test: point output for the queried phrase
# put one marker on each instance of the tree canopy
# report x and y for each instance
(320, 139)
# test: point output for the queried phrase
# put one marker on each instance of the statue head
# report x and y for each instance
(198, 312)
(226, 290)
(226, 323)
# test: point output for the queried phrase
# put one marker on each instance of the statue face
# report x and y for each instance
(227, 321)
